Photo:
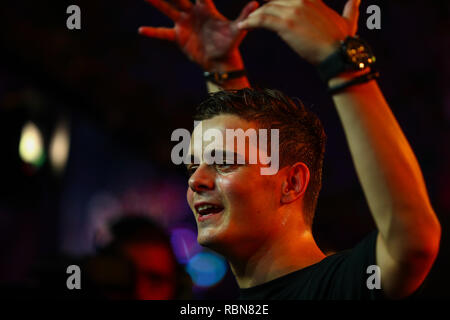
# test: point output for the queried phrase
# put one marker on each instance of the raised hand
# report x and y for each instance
(309, 27)
(202, 32)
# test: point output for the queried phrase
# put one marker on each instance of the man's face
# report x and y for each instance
(233, 204)
(155, 271)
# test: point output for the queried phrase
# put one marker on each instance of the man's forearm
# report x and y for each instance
(387, 169)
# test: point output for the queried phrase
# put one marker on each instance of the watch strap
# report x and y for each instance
(333, 65)
(220, 77)
(358, 80)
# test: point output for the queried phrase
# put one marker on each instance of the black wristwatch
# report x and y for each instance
(219, 78)
(353, 54)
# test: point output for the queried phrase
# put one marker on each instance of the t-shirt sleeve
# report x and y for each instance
(361, 272)
(354, 274)
(361, 277)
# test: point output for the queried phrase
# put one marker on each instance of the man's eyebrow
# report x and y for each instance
(229, 155)
(226, 156)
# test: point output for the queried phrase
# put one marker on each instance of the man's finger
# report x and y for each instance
(159, 33)
(249, 8)
(184, 5)
(351, 13)
(207, 3)
(288, 1)
(265, 21)
(165, 8)
(275, 9)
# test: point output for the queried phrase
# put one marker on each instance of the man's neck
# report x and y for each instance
(275, 259)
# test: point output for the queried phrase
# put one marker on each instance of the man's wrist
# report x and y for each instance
(346, 82)
(353, 57)
(231, 84)
(326, 52)
(346, 76)
(232, 62)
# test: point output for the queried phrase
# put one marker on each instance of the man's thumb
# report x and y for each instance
(249, 8)
(351, 13)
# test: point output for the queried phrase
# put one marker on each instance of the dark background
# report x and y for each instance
(124, 94)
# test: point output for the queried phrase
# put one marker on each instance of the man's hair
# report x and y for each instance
(302, 138)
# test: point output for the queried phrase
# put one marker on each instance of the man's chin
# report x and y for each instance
(206, 240)
(209, 239)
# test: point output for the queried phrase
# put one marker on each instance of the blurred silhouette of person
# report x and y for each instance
(138, 263)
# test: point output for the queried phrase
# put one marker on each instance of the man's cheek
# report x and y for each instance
(229, 188)
(235, 194)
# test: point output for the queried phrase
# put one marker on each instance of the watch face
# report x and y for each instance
(359, 53)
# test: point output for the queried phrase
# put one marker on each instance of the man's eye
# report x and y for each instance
(224, 166)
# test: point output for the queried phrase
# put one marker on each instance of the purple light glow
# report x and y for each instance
(184, 244)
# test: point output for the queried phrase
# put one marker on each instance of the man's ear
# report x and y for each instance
(295, 181)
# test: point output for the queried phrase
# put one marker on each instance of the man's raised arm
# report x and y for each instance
(409, 231)
(206, 37)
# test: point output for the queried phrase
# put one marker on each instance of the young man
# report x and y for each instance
(262, 223)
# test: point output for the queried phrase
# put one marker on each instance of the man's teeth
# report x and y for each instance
(206, 207)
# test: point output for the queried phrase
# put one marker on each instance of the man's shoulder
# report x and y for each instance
(363, 253)
(342, 275)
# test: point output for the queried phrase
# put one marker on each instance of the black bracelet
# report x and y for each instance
(358, 80)
(220, 77)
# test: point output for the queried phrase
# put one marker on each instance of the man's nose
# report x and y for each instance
(202, 179)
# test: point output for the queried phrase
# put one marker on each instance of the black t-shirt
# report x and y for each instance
(341, 276)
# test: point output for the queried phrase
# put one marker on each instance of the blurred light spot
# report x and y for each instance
(184, 244)
(31, 145)
(59, 147)
(206, 269)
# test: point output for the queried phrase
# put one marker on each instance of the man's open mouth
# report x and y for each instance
(206, 210)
